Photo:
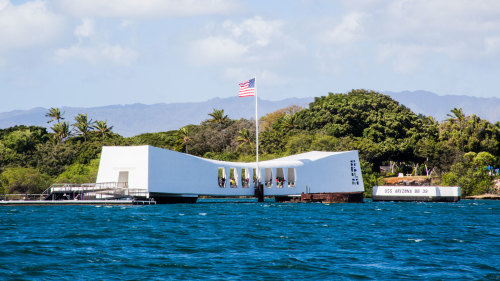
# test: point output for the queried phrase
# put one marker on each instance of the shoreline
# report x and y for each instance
(486, 196)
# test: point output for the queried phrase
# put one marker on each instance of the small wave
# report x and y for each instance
(415, 240)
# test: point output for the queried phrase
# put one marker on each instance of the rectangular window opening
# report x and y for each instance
(233, 177)
(245, 178)
(221, 177)
(280, 177)
(291, 177)
(268, 177)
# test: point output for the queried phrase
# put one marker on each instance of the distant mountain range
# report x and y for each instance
(133, 119)
(436, 106)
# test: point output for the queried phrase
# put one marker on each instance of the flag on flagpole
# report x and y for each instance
(247, 88)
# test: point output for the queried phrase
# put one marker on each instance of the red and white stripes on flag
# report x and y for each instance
(247, 88)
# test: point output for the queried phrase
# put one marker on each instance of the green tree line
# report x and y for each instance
(455, 151)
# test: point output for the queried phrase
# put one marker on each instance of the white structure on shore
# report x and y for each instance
(173, 176)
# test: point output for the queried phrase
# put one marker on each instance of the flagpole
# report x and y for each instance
(257, 133)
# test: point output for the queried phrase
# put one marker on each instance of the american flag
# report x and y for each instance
(247, 88)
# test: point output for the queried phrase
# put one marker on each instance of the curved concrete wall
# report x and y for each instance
(170, 172)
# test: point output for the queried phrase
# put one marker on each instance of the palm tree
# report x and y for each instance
(102, 127)
(458, 114)
(458, 117)
(55, 114)
(218, 117)
(184, 132)
(83, 125)
(244, 139)
(61, 130)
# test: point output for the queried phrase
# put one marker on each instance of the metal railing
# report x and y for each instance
(19, 196)
(90, 191)
(86, 191)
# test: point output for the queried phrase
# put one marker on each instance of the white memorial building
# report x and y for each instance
(170, 176)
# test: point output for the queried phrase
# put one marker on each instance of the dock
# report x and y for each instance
(81, 194)
(75, 202)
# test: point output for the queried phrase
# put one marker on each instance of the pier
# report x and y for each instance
(109, 193)
(75, 202)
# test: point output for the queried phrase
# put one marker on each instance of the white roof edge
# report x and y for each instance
(287, 161)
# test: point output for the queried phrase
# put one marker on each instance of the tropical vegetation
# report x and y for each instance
(390, 138)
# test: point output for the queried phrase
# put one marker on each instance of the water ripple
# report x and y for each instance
(252, 241)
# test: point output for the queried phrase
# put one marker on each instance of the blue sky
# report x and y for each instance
(100, 52)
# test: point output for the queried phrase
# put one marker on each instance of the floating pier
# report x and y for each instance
(74, 202)
(108, 193)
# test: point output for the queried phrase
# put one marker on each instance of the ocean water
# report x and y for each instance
(252, 241)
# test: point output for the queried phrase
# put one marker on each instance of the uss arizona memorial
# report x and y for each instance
(169, 176)
(144, 175)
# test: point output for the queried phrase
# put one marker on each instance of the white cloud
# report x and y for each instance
(31, 24)
(115, 54)
(93, 49)
(216, 50)
(126, 23)
(265, 76)
(145, 9)
(270, 77)
(446, 17)
(365, 5)
(404, 59)
(408, 34)
(441, 23)
(348, 31)
(85, 30)
(492, 45)
(257, 30)
(245, 42)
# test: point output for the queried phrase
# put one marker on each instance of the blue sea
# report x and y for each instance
(211, 240)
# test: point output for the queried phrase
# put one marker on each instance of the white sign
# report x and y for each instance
(404, 190)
